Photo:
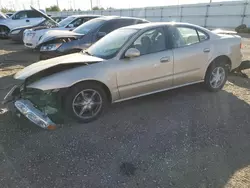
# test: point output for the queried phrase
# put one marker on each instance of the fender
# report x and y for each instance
(70, 77)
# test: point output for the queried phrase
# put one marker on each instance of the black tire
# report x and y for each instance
(72, 94)
(209, 72)
(4, 32)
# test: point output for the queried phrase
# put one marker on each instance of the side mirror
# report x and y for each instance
(71, 25)
(101, 34)
(132, 52)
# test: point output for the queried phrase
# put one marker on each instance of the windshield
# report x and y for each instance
(110, 45)
(66, 21)
(89, 26)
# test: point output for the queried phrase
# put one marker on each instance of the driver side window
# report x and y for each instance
(21, 15)
(151, 41)
(77, 22)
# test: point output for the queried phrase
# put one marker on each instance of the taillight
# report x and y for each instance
(241, 46)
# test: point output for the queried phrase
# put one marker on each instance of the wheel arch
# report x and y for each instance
(3, 25)
(97, 82)
(221, 58)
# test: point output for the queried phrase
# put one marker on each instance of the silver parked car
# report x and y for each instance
(127, 63)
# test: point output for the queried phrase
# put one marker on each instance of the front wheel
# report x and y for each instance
(216, 76)
(85, 102)
(4, 32)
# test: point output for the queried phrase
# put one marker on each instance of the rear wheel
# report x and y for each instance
(4, 32)
(85, 102)
(216, 76)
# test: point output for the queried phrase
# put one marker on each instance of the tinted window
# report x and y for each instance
(118, 23)
(66, 21)
(80, 21)
(108, 27)
(33, 14)
(89, 26)
(151, 41)
(21, 15)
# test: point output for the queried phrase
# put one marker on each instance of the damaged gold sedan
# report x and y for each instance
(129, 62)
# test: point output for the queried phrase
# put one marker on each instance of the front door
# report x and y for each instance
(19, 19)
(150, 72)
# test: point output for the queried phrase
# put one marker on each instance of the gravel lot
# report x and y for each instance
(187, 138)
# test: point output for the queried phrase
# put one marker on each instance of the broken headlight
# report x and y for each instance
(50, 47)
(39, 97)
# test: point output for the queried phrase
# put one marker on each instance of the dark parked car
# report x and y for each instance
(57, 43)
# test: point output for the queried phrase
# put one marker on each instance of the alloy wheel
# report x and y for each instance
(87, 103)
(217, 77)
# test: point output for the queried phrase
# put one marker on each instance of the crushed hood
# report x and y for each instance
(54, 34)
(75, 58)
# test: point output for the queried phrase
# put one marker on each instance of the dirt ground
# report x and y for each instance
(186, 138)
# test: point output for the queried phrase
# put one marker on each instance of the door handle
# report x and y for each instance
(165, 59)
(206, 50)
(27, 21)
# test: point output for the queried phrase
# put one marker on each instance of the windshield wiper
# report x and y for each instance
(86, 52)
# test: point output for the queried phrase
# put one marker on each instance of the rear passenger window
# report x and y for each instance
(184, 36)
(33, 14)
(202, 36)
(188, 35)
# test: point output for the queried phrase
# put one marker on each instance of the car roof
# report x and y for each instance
(119, 17)
(85, 15)
(155, 24)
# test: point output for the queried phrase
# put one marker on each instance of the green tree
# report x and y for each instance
(53, 8)
(97, 8)
(5, 10)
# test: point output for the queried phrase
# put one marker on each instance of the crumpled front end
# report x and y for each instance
(36, 105)
(29, 38)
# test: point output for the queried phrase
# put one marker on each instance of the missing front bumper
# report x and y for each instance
(26, 108)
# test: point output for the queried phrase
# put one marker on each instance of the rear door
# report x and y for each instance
(150, 72)
(191, 48)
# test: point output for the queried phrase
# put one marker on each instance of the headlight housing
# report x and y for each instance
(50, 47)
(15, 31)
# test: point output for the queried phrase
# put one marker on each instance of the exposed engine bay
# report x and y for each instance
(60, 40)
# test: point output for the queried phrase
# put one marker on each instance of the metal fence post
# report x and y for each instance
(161, 13)
(244, 12)
(207, 14)
(181, 14)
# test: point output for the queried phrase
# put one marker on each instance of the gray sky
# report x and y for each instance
(85, 4)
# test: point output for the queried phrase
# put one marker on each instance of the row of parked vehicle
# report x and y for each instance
(121, 58)
(71, 34)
